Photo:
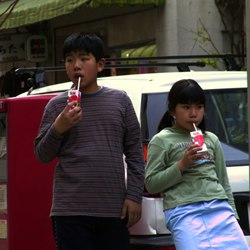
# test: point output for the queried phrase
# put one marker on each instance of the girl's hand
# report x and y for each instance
(189, 157)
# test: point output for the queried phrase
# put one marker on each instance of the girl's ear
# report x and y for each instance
(172, 113)
(100, 64)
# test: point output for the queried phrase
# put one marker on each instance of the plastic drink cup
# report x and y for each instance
(198, 138)
(74, 95)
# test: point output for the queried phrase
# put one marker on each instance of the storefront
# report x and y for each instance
(52, 21)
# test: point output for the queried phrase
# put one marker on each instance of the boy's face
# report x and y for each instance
(84, 65)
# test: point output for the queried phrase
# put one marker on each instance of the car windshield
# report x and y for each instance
(226, 116)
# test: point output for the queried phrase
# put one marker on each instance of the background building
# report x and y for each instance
(32, 32)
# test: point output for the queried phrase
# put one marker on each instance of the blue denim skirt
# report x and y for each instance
(205, 225)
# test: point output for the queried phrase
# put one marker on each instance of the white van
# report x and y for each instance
(226, 116)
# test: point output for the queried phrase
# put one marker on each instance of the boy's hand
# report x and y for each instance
(68, 118)
(132, 211)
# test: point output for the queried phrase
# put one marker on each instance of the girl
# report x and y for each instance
(197, 198)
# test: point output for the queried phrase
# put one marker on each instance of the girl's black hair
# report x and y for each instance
(186, 91)
(89, 43)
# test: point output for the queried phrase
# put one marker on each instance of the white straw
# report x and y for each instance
(195, 127)
(79, 81)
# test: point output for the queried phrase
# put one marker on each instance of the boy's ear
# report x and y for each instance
(100, 64)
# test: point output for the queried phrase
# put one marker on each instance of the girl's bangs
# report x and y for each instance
(191, 95)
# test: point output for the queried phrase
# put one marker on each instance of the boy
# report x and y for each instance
(92, 205)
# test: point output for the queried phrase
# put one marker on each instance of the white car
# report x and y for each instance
(226, 116)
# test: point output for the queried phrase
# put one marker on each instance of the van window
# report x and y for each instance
(226, 116)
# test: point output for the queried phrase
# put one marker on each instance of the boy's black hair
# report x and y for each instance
(186, 91)
(89, 43)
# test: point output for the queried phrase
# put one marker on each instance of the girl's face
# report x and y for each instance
(187, 114)
(84, 65)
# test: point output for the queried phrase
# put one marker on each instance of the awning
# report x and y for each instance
(145, 51)
(23, 12)
(16, 13)
(97, 3)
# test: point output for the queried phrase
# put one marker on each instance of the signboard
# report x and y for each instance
(37, 48)
(12, 48)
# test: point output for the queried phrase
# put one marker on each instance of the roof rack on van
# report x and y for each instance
(138, 62)
(228, 59)
(182, 66)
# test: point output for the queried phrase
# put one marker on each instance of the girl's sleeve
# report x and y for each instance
(222, 175)
(158, 176)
